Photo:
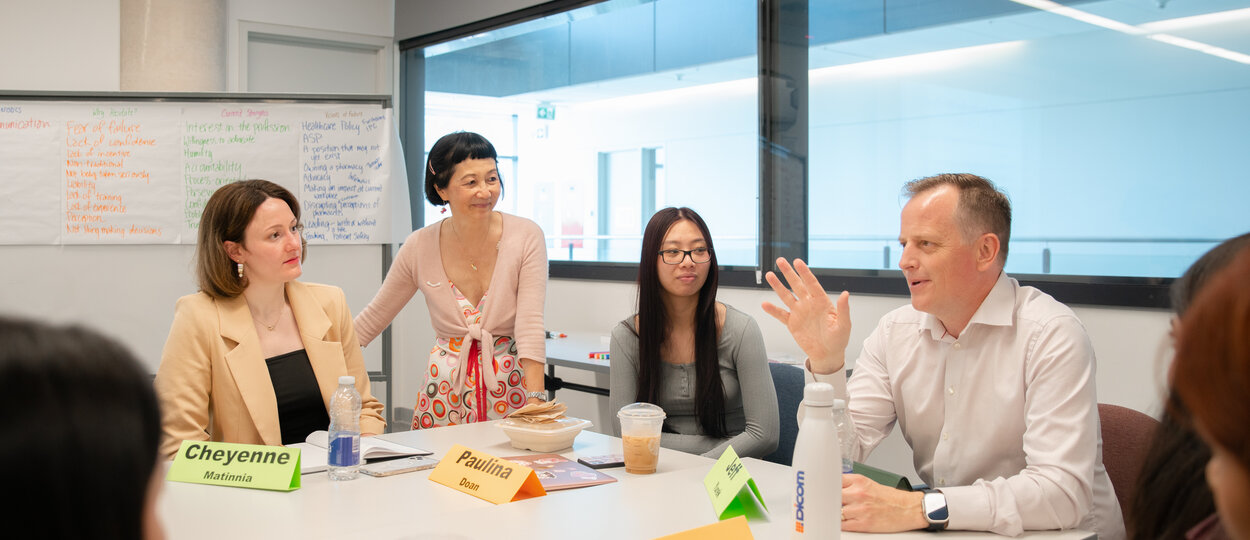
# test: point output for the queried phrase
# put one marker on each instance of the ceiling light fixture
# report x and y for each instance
(1112, 24)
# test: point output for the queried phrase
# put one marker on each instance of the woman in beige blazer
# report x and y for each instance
(255, 355)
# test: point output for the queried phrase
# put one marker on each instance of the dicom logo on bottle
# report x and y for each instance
(798, 501)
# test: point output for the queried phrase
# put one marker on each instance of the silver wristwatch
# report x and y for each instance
(934, 506)
(540, 394)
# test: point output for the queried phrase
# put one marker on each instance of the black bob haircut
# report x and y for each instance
(450, 150)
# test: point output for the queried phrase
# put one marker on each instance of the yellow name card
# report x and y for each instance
(486, 477)
(730, 529)
(237, 465)
(732, 490)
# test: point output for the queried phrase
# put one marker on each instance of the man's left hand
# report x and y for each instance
(871, 507)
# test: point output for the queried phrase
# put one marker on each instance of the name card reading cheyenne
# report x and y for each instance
(486, 477)
(237, 465)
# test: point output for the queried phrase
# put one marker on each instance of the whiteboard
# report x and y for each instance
(140, 172)
(126, 284)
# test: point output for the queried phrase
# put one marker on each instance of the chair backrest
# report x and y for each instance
(1126, 436)
(788, 381)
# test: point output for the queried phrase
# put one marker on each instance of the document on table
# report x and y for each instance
(314, 456)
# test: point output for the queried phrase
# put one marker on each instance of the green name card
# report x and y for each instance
(732, 490)
(237, 465)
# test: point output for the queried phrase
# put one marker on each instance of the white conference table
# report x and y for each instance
(411, 506)
(571, 352)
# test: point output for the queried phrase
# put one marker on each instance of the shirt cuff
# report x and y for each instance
(969, 508)
(837, 380)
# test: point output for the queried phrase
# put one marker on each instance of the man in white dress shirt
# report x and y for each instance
(991, 382)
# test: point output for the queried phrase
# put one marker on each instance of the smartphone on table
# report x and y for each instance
(397, 466)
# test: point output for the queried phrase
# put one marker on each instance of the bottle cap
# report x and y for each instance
(818, 394)
(347, 379)
(839, 404)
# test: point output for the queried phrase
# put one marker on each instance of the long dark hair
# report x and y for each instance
(1177, 457)
(83, 463)
(653, 324)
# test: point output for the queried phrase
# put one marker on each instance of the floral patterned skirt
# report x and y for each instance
(441, 404)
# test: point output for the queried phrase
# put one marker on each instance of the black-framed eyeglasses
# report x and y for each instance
(675, 256)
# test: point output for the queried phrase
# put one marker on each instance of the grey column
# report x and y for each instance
(173, 45)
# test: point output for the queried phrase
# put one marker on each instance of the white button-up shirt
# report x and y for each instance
(1007, 413)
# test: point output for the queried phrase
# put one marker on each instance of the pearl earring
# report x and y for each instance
(240, 270)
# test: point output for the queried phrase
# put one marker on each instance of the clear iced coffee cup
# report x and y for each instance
(641, 424)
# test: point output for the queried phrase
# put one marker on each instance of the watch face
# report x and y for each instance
(935, 507)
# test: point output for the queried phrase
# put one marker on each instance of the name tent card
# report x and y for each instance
(732, 490)
(730, 529)
(237, 465)
(486, 477)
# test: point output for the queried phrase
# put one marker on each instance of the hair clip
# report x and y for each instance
(430, 164)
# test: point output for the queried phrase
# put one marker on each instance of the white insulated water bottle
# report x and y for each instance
(817, 468)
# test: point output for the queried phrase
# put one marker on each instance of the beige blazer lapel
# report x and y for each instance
(248, 369)
(325, 355)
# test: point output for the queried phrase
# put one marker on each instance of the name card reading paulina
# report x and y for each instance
(486, 477)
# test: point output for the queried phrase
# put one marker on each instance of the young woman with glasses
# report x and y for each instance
(700, 360)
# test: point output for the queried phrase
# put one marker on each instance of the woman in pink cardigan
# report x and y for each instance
(484, 277)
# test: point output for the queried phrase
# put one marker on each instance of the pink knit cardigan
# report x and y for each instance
(514, 302)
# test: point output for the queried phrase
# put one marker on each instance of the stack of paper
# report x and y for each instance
(314, 457)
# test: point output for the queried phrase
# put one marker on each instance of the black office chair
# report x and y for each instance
(788, 381)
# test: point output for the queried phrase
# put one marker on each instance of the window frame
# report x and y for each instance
(783, 168)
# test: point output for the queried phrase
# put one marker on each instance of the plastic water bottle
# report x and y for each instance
(344, 458)
(846, 434)
(817, 463)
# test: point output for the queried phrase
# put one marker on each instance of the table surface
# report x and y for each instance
(571, 351)
(410, 506)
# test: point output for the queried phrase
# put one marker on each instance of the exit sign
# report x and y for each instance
(547, 112)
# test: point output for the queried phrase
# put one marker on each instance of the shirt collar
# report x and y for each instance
(997, 309)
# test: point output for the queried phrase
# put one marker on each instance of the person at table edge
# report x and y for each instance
(255, 355)
(991, 382)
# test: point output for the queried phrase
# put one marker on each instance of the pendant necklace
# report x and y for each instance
(472, 263)
(270, 327)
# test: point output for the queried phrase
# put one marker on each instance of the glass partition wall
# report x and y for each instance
(1115, 126)
(609, 112)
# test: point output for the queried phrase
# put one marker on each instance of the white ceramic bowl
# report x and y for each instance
(548, 437)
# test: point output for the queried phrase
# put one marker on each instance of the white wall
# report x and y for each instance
(60, 45)
(419, 17)
(368, 22)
